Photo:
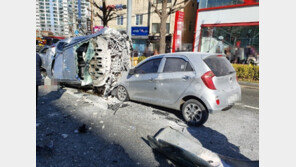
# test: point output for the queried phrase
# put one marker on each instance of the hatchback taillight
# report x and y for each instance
(207, 78)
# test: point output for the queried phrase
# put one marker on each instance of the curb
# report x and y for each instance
(248, 84)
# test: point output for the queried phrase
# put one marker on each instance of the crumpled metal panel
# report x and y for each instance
(58, 67)
(69, 64)
(87, 58)
(48, 61)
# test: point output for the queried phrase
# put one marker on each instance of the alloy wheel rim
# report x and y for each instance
(193, 112)
(121, 93)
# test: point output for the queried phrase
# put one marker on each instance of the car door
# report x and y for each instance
(142, 85)
(175, 77)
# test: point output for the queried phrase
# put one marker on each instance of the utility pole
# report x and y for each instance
(129, 17)
(149, 15)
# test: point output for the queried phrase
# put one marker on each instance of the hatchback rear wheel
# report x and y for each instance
(194, 112)
(121, 93)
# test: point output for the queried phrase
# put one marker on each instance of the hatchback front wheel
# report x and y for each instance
(194, 112)
(121, 93)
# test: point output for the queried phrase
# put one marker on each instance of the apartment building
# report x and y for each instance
(59, 17)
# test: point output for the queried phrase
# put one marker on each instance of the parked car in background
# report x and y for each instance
(194, 83)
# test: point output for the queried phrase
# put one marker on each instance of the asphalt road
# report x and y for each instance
(118, 138)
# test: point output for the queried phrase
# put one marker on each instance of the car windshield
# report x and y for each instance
(219, 65)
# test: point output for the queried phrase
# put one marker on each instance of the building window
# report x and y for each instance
(120, 20)
(139, 19)
(156, 27)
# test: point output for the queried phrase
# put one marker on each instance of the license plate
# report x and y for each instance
(232, 99)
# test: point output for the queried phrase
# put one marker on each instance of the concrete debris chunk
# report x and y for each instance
(187, 152)
(64, 136)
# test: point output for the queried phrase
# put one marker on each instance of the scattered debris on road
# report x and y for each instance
(82, 129)
(64, 136)
(160, 112)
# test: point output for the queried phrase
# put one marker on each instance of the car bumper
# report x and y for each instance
(222, 100)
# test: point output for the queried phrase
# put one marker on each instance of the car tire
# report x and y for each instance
(121, 93)
(194, 112)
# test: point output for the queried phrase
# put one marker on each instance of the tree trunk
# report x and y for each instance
(162, 41)
(105, 22)
(163, 19)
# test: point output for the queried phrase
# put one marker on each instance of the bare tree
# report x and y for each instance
(108, 13)
(164, 12)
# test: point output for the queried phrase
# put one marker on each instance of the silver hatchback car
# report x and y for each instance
(195, 83)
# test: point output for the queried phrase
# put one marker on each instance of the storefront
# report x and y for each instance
(230, 27)
(154, 41)
(140, 39)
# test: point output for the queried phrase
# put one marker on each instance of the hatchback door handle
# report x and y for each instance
(186, 77)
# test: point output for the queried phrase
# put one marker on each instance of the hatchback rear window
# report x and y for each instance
(219, 65)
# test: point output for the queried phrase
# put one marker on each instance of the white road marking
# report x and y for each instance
(247, 106)
(256, 108)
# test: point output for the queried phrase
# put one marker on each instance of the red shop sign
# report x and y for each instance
(179, 22)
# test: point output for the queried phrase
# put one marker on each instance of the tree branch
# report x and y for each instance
(156, 10)
(173, 10)
(111, 17)
(99, 16)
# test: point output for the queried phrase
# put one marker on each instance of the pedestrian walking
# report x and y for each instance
(147, 52)
(38, 74)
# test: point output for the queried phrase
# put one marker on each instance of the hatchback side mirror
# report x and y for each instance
(131, 71)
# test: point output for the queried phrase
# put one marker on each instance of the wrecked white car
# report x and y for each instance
(95, 60)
